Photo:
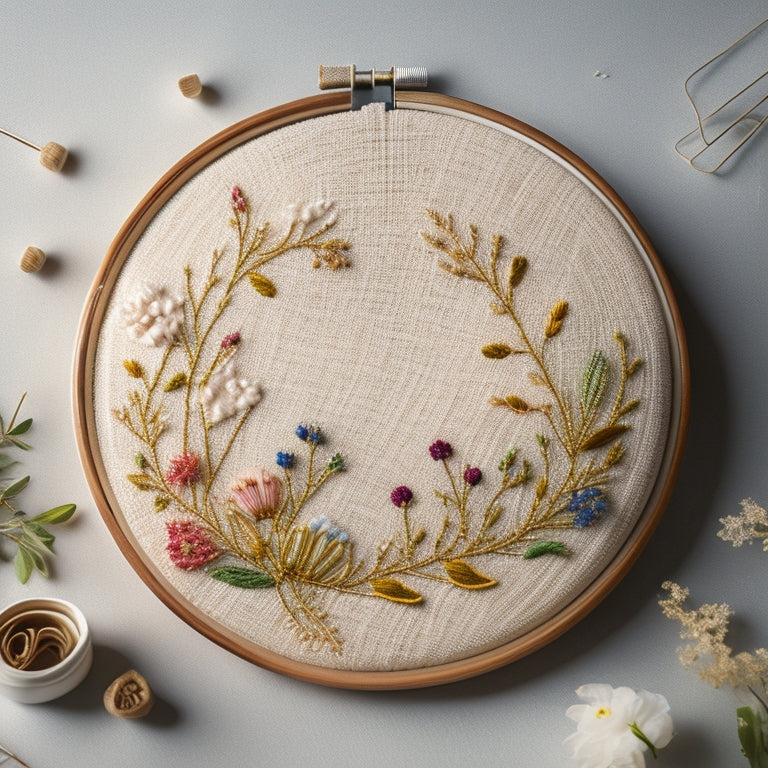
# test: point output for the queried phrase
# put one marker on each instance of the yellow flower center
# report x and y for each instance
(602, 712)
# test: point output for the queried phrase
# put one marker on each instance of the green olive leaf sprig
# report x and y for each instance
(34, 543)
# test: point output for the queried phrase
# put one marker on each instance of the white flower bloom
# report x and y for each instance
(617, 726)
(224, 394)
(308, 213)
(152, 315)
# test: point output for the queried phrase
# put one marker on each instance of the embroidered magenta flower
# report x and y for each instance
(257, 492)
(472, 475)
(190, 545)
(183, 470)
(401, 495)
(440, 450)
(238, 201)
(230, 340)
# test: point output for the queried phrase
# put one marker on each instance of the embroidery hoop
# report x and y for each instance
(99, 481)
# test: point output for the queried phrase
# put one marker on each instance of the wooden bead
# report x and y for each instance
(32, 259)
(53, 156)
(190, 86)
(129, 696)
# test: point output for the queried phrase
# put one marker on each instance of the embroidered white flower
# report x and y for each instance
(152, 315)
(225, 393)
(308, 213)
(616, 726)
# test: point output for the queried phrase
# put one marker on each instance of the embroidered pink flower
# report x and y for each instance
(440, 450)
(401, 496)
(239, 203)
(230, 340)
(257, 492)
(190, 545)
(472, 475)
(183, 470)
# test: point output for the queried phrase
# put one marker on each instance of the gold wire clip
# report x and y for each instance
(369, 86)
(719, 134)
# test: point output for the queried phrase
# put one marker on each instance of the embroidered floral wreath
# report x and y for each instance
(261, 534)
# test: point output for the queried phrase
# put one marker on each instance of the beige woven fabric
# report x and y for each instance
(386, 357)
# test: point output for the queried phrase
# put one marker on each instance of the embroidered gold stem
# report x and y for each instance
(308, 619)
(462, 253)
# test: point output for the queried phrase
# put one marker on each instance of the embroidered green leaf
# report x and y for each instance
(517, 271)
(263, 285)
(14, 489)
(546, 548)
(464, 575)
(161, 503)
(21, 428)
(134, 368)
(142, 481)
(594, 381)
(179, 380)
(513, 402)
(603, 436)
(245, 578)
(394, 590)
(56, 515)
(557, 316)
(496, 351)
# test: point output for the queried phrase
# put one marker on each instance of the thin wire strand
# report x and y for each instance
(18, 138)
(10, 754)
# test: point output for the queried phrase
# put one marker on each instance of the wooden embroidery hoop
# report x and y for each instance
(95, 308)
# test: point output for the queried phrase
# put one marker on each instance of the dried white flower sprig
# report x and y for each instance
(706, 627)
(617, 726)
(751, 523)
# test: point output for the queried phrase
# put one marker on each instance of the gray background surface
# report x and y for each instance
(100, 78)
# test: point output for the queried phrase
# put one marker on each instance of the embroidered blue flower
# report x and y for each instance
(332, 532)
(284, 459)
(309, 434)
(587, 505)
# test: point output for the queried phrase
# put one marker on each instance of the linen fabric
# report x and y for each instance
(386, 357)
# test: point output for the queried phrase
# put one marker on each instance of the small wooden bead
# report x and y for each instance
(129, 696)
(53, 156)
(190, 86)
(32, 259)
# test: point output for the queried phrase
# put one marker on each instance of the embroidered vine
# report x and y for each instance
(587, 433)
(259, 533)
(184, 323)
